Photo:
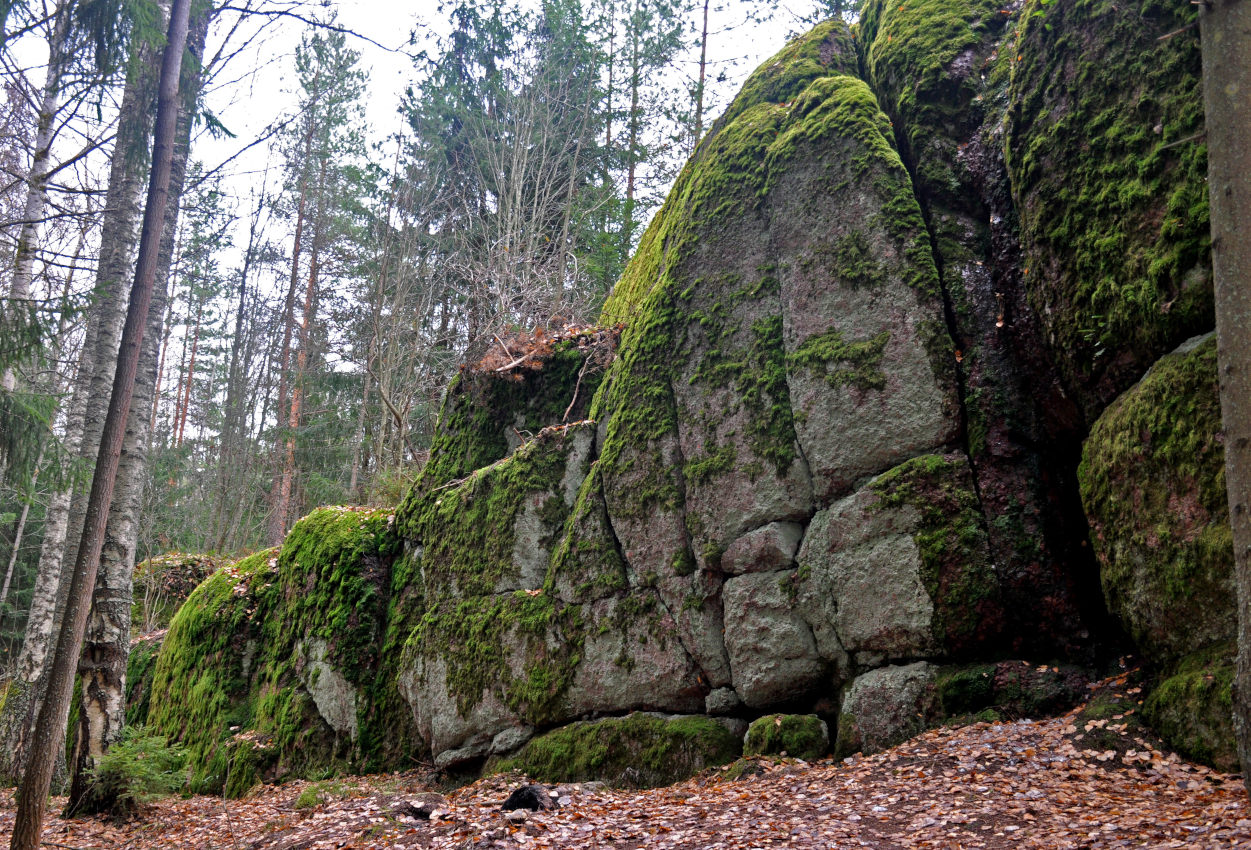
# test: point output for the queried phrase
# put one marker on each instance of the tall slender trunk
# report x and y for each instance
(160, 369)
(19, 531)
(37, 179)
(32, 797)
(627, 230)
(282, 493)
(106, 644)
(66, 510)
(1225, 37)
(301, 366)
(232, 422)
(186, 398)
(699, 87)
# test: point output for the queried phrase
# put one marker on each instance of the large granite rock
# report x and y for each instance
(833, 447)
(1108, 173)
(941, 69)
(1153, 483)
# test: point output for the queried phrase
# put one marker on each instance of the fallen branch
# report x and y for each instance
(1193, 138)
(576, 387)
(516, 362)
(507, 353)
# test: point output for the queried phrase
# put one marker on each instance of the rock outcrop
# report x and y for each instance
(1153, 483)
(820, 457)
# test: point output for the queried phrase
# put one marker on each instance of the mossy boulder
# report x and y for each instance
(512, 610)
(941, 69)
(1153, 484)
(885, 707)
(784, 339)
(801, 736)
(266, 669)
(1006, 690)
(641, 750)
(140, 668)
(1191, 708)
(901, 568)
(1108, 171)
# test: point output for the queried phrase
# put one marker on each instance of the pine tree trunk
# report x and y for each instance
(32, 796)
(282, 493)
(1225, 36)
(190, 378)
(699, 87)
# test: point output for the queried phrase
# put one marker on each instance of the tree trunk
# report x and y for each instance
(32, 798)
(1225, 33)
(19, 532)
(37, 179)
(106, 644)
(627, 229)
(282, 493)
(65, 512)
(190, 378)
(699, 87)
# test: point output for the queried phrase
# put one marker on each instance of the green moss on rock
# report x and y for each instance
(802, 736)
(1192, 708)
(637, 751)
(1153, 485)
(955, 559)
(140, 667)
(484, 410)
(234, 681)
(1109, 177)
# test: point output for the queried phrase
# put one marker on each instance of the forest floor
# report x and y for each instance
(1076, 781)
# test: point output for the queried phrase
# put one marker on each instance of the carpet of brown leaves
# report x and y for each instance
(1022, 784)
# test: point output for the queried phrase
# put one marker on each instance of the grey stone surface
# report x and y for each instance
(861, 580)
(885, 707)
(773, 655)
(633, 660)
(766, 549)
(722, 701)
(334, 696)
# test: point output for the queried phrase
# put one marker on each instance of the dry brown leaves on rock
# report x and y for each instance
(1023, 784)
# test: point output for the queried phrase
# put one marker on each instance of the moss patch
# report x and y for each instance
(1113, 203)
(140, 667)
(1152, 482)
(802, 736)
(483, 409)
(1192, 708)
(228, 681)
(636, 751)
(955, 563)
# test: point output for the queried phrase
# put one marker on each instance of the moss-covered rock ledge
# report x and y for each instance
(1153, 483)
(267, 669)
(808, 463)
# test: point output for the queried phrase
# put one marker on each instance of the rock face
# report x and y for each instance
(1153, 483)
(829, 465)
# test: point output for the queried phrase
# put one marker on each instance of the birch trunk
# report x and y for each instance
(37, 179)
(106, 643)
(92, 386)
(32, 795)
